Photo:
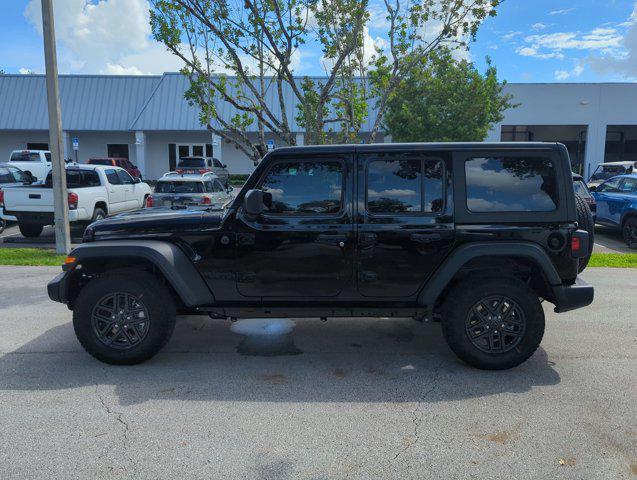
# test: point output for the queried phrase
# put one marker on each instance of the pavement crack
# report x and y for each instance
(119, 418)
(417, 414)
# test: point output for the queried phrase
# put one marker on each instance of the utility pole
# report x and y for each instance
(58, 172)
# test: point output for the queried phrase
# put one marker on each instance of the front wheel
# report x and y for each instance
(493, 324)
(30, 230)
(124, 318)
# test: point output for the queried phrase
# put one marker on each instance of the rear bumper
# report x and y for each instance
(58, 287)
(43, 218)
(571, 297)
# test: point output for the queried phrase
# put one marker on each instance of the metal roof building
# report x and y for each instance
(147, 119)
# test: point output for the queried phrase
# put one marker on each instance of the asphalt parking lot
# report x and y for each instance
(373, 398)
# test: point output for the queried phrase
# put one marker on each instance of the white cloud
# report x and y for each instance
(566, 74)
(598, 39)
(539, 26)
(621, 60)
(510, 35)
(107, 36)
(532, 52)
(563, 11)
(25, 71)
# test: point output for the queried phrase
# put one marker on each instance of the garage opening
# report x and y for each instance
(572, 136)
(621, 143)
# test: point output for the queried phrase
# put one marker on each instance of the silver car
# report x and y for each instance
(189, 191)
(202, 165)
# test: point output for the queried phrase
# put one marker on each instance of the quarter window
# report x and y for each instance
(409, 185)
(511, 184)
(304, 187)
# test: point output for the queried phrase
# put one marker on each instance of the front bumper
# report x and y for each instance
(58, 287)
(571, 297)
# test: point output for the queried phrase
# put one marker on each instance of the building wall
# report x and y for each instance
(17, 140)
(94, 144)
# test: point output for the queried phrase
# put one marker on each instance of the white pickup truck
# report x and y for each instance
(35, 162)
(94, 192)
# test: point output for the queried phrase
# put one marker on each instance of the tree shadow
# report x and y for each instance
(349, 360)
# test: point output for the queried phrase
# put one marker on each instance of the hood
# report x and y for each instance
(153, 223)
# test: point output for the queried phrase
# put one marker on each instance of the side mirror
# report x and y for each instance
(29, 178)
(593, 188)
(224, 165)
(253, 202)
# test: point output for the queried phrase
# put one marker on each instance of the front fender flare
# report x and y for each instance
(171, 261)
(463, 254)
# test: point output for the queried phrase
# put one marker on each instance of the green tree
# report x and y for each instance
(444, 100)
(240, 55)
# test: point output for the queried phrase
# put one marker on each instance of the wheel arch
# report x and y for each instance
(492, 259)
(100, 203)
(163, 258)
(632, 213)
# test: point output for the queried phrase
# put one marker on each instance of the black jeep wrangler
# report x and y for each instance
(475, 234)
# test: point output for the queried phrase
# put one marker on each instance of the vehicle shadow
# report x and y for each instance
(611, 239)
(348, 360)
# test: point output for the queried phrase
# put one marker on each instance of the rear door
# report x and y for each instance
(405, 225)
(115, 191)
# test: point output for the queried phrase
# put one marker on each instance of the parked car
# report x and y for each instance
(617, 205)
(604, 171)
(202, 165)
(192, 191)
(94, 192)
(117, 162)
(11, 176)
(35, 162)
(476, 233)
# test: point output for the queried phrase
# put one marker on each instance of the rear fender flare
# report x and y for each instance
(463, 254)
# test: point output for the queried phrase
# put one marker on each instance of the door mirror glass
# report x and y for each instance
(253, 202)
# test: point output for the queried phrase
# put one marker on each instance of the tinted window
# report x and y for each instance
(25, 157)
(611, 185)
(405, 185)
(77, 179)
(6, 176)
(218, 187)
(18, 174)
(192, 162)
(125, 177)
(47, 156)
(179, 187)
(628, 185)
(112, 177)
(510, 184)
(217, 163)
(304, 187)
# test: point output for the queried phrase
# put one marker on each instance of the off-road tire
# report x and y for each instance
(154, 295)
(3, 224)
(585, 222)
(629, 232)
(98, 214)
(461, 300)
(30, 230)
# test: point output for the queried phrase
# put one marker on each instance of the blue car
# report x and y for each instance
(617, 205)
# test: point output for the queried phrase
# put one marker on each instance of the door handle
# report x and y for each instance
(332, 239)
(425, 237)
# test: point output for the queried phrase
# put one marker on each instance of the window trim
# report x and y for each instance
(316, 159)
(499, 212)
(423, 158)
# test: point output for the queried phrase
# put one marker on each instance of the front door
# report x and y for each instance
(405, 225)
(116, 191)
(302, 244)
(608, 198)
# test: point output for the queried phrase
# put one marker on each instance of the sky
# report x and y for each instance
(528, 40)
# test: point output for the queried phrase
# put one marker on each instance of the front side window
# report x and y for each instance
(304, 187)
(112, 177)
(125, 177)
(408, 185)
(511, 184)
(218, 186)
(611, 185)
(217, 163)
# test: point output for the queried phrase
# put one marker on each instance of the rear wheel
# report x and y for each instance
(124, 318)
(629, 231)
(493, 323)
(585, 222)
(30, 230)
(3, 224)
(98, 214)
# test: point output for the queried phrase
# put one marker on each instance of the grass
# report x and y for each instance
(30, 257)
(41, 256)
(613, 260)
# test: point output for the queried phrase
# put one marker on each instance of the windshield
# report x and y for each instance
(604, 172)
(192, 162)
(179, 187)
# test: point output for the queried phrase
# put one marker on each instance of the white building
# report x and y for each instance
(147, 119)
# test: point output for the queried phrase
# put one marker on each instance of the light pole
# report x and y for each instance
(60, 200)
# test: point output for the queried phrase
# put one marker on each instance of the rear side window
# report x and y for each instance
(409, 185)
(511, 184)
(77, 179)
(305, 187)
(628, 186)
(6, 176)
(112, 177)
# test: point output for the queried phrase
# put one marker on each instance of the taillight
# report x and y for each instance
(203, 170)
(149, 201)
(579, 244)
(180, 171)
(1, 198)
(73, 199)
(206, 201)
